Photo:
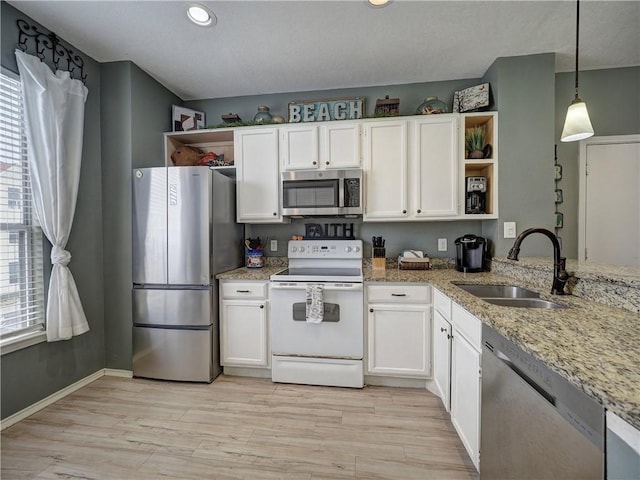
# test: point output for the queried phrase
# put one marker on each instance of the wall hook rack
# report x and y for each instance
(49, 42)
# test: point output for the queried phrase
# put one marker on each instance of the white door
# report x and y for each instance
(436, 156)
(610, 200)
(465, 394)
(386, 162)
(399, 340)
(442, 357)
(340, 145)
(299, 147)
(243, 333)
(258, 183)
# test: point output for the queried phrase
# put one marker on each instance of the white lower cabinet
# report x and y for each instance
(442, 357)
(466, 381)
(399, 331)
(244, 327)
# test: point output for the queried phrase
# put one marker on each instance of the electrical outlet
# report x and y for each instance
(274, 245)
(442, 244)
(509, 229)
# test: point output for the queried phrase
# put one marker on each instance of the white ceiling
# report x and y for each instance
(287, 46)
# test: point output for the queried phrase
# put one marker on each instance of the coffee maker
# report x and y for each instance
(471, 253)
(476, 195)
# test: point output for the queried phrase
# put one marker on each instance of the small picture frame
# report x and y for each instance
(183, 119)
(559, 220)
(558, 172)
(558, 196)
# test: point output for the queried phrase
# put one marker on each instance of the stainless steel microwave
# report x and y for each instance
(325, 192)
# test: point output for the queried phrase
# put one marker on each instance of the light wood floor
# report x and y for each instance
(236, 428)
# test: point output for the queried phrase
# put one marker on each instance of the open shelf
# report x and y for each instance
(219, 141)
(484, 167)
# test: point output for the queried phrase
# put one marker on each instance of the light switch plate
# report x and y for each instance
(274, 245)
(509, 229)
(442, 244)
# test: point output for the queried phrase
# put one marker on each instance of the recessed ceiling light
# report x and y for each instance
(201, 16)
(378, 3)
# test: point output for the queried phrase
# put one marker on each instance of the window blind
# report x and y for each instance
(21, 256)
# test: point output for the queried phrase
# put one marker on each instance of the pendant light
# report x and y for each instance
(577, 125)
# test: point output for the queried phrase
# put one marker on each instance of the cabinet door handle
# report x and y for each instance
(419, 210)
(327, 163)
(371, 310)
(398, 294)
(449, 337)
(261, 306)
(275, 214)
(404, 211)
(314, 162)
(442, 329)
(243, 291)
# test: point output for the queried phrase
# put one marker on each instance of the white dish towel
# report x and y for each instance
(315, 303)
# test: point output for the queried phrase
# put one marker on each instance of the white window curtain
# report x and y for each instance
(54, 120)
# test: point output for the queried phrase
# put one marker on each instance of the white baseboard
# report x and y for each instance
(399, 382)
(60, 394)
(112, 372)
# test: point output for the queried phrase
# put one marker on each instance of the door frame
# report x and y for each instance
(582, 188)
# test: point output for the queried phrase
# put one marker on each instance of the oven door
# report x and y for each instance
(339, 335)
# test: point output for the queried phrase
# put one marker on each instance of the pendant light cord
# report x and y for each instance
(577, 40)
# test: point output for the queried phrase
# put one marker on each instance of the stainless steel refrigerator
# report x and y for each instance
(184, 233)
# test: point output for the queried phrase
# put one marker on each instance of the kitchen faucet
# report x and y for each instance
(560, 275)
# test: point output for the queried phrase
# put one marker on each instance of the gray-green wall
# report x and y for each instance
(613, 100)
(524, 99)
(136, 111)
(35, 372)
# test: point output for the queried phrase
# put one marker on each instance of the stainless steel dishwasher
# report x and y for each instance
(535, 424)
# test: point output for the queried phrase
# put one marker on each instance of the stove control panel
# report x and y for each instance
(325, 249)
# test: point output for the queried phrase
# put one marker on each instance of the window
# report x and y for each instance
(21, 257)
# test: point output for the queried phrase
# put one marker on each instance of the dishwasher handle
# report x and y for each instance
(532, 383)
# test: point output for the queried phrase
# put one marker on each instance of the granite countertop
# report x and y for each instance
(594, 346)
(244, 273)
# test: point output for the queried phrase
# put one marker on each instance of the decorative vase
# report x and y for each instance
(263, 115)
(475, 154)
(430, 106)
(277, 118)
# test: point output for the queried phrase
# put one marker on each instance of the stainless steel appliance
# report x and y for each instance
(535, 424)
(471, 253)
(476, 197)
(328, 352)
(184, 233)
(326, 192)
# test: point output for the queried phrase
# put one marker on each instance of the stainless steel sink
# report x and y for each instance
(523, 302)
(497, 291)
(508, 296)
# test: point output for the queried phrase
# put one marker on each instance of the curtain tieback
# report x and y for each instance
(60, 256)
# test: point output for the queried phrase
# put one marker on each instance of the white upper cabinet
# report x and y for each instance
(340, 145)
(258, 178)
(435, 166)
(327, 146)
(431, 164)
(299, 147)
(386, 163)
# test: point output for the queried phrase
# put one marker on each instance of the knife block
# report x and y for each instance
(379, 261)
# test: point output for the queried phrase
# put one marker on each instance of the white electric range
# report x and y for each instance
(328, 352)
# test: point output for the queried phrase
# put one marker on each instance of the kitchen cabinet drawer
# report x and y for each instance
(466, 324)
(442, 303)
(399, 294)
(243, 289)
